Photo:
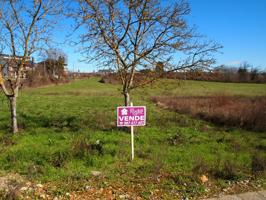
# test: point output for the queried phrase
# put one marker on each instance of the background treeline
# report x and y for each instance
(245, 73)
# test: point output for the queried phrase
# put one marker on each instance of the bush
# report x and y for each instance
(176, 139)
(58, 159)
(82, 148)
(200, 166)
(258, 163)
(7, 140)
(225, 170)
(110, 78)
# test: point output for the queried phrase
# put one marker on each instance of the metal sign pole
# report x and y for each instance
(132, 139)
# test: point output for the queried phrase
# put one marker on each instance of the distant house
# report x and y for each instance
(10, 64)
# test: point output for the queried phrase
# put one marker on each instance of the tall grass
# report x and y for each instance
(247, 113)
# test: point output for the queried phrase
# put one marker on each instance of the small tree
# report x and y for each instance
(254, 74)
(243, 72)
(135, 35)
(159, 68)
(54, 63)
(26, 27)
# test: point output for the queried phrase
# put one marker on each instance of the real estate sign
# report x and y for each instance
(131, 116)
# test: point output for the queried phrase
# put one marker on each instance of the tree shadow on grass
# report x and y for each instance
(97, 121)
(58, 122)
(61, 122)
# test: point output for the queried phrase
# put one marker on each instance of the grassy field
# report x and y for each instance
(202, 88)
(60, 126)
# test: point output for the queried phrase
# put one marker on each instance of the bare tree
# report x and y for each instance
(26, 29)
(243, 72)
(254, 74)
(132, 35)
(55, 61)
(54, 54)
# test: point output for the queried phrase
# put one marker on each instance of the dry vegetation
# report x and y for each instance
(247, 113)
(40, 77)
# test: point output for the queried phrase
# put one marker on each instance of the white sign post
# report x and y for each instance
(131, 116)
(132, 138)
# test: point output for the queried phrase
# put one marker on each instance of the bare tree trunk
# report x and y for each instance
(13, 110)
(126, 98)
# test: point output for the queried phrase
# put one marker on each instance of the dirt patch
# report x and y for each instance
(3, 183)
(10, 180)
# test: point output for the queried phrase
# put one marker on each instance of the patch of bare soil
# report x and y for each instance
(13, 186)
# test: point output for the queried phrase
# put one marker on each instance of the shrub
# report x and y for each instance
(110, 78)
(58, 159)
(7, 140)
(82, 148)
(200, 166)
(33, 170)
(258, 164)
(225, 170)
(176, 139)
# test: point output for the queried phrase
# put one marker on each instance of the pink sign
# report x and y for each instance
(131, 116)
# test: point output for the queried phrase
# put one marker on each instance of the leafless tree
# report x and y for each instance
(54, 54)
(26, 28)
(54, 61)
(133, 35)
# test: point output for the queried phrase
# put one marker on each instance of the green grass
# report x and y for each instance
(59, 124)
(202, 88)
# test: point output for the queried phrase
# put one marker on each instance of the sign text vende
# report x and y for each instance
(131, 116)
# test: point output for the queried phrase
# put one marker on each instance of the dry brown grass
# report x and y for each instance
(243, 112)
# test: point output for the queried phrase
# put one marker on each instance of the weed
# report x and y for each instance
(11, 158)
(258, 163)
(176, 139)
(89, 161)
(200, 166)
(261, 147)
(58, 159)
(7, 140)
(226, 170)
(34, 170)
(11, 194)
(82, 147)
